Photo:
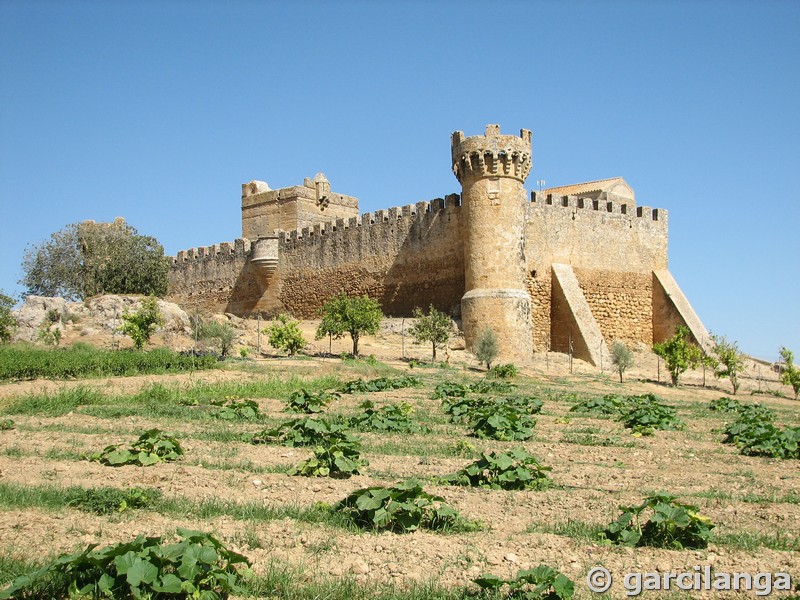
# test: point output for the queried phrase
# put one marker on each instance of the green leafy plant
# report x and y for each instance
(381, 384)
(607, 405)
(730, 361)
(755, 434)
(104, 501)
(463, 408)
(141, 324)
(152, 447)
(541, 583)
(232, 408)
(303, 401)
(339, 455)
(486, 347)
(679, 353)
(725, 404)
(197, 566)
(6, 424)
(284, 334)
(307, 431)
(504, 371)
(433, 327)
(644, 414)
(402, 508)
(790, 374)
(451, 389)
(514, 469)
(501, 422)
(660, 521)
(389, 418)
(356, 315)
(621, 358)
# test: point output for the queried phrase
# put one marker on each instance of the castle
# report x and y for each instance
(567, 268)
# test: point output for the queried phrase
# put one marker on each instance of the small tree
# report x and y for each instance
(141, 324)
(433, 327)
(679, 353)
(356, 316)
(7, 321)
(486, 347)
(791, 374)
(284, 334)
(730, 361)
(221, 335)
(621, 357)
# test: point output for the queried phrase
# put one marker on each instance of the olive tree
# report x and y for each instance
(487, 347)
(85, 259)
(621, 358)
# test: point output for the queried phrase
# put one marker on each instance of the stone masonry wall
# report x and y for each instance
(622, 303)
(406, 257)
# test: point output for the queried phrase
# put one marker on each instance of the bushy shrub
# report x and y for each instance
(142, 323)
(284, 334)
(504, 371)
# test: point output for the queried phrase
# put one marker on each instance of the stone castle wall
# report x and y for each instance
(406, 257)
(412, 256)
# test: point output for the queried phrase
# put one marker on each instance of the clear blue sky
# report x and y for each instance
(159, 111)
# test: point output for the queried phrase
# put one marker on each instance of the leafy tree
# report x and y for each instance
(221, 335)
(791, 374)
(433, 327)
(285, 334)
(7, 321)
(679, 353)
(88, 258)
(730, 361)
(141, 324)
(486, 347)
(356, 316)
(621, 358)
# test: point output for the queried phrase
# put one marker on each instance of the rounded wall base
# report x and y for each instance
(507, 312)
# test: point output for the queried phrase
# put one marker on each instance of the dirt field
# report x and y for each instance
(596, 465)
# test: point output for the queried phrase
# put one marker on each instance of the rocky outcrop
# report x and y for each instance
(101, 313)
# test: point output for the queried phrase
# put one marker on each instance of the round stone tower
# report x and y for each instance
(492, 169)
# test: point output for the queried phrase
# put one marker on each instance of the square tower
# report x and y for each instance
(265, 210)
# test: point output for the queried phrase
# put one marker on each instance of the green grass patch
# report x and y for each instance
(19, 362)
(579, 530)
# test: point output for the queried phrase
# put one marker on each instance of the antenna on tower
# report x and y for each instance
(540, 183)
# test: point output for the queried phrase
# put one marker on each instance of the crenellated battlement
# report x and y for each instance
(604, 207)
(410, 212)
(239, 247)
(491, 155)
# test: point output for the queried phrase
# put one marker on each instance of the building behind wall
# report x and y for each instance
(576, 266)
